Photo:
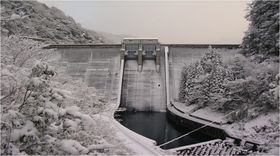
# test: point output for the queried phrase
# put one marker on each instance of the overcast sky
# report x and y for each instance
(194, 21)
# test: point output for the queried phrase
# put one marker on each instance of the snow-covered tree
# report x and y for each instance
(22, 52)
(37, 20)
(236, 69)
(39, 107)
(262, 36)
(237, 85)
(202, 80)
(213, 67)
(40, 111)
(210, 60)
(188, 75)
(253, 86)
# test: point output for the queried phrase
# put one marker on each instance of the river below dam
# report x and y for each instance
(157, 126)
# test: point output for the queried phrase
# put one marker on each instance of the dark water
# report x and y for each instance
(156, 126)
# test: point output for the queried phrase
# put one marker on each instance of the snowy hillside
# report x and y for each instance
(113, 38)
(44, 111)
(37, 20)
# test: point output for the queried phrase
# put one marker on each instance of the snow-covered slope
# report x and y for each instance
(113, 38)
(37, 20)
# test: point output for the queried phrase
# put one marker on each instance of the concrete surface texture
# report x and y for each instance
(98, 67)
(145, 90)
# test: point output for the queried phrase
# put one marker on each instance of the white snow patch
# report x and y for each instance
(184, 107)
(262, 120)
(72, 125)
(14, 17)
(99, 146)
(72, 147)
(86, 120)
(207, 113)
(61, 111)
(66, 92)
(73, 110)
(36, 81)
(27, 130)
(6, 72)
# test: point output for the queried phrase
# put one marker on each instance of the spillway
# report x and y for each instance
(143, 90)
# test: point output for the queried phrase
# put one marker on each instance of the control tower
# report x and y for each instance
(141, 49)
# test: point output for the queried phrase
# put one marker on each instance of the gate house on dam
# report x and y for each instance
(144, 69)
(141, 49)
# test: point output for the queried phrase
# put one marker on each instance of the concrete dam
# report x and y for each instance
(144, 76)
(144, 71)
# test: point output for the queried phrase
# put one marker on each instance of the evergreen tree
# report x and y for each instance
(189, 73)
(201, 81)
(262, 36)
(210, 60)
(236, 70)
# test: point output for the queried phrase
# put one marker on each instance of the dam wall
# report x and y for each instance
(98, 66)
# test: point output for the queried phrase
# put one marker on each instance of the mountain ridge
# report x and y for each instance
(35, 20)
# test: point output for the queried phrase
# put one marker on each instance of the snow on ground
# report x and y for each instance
(207, 113)
(83, 103)
(72, 147)
(263, 129)
(262, 120)
(183, 107)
